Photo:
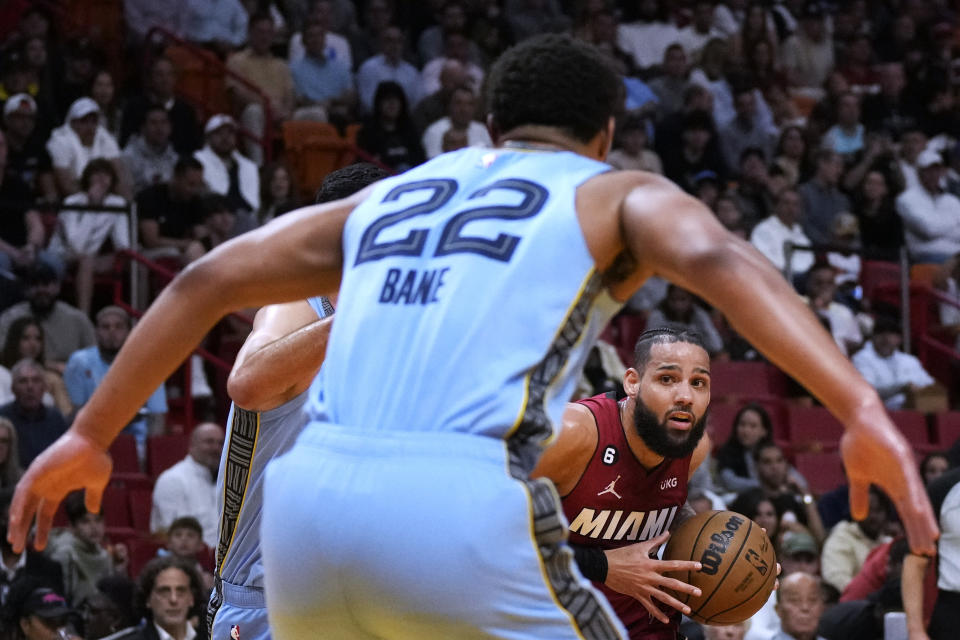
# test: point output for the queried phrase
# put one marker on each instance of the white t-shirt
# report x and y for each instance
(477, 136)
(82, 233)
(67, 152)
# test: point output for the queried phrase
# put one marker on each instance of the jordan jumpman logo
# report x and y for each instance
(610, 489)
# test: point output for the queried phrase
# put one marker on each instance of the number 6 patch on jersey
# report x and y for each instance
(610, 455)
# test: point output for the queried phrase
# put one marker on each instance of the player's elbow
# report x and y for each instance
(243, 389)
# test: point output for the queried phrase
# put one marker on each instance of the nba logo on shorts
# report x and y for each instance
(235, 632)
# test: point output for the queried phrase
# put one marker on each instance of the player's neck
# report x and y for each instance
(640, 450)
(540, 138)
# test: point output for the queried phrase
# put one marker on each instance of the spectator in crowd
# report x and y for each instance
(219, 221)
(754, 191)
(846, 137)
(881, 230)
(267, 72)
(185, 543)
(44, 615)
(948, 283)
(377, 16)
(770, 235)
(670, 84)
(455, 47)
(65, 327)
(389, 134)
(529, 17)
(81, 551)
(25, 339)
(104, 92)
(848, 544)
(930, 215)
(807, 55)
(27, 156)
(632, 153)
(800, 605)
(225, 171)
(434, 106)
(218, 24)
(695, 36)
(170, 212)
(680, 311)
(894, 374)
(16, 568)
(110, 608)
(81, 236)
(336, 47)
(278, 192)
(890, 110)
(789, 492)
(647, 38)
(845, 259)
(944, 495)
(37, 425)
(933, 466)
(726, 632)
(169, 596)
(323, 87)
(142, 15)
(81, 59)
(150, 156)
(822, 199)
(791, 154)
(87, 367)
(452, 17)
(80, 140)
(913, 142)
(745, 130)
(22, 236)
(736, 469)
(460, 114)
(726, 207)
(601, 31)
(388, 66)
(695, 152)
(836, 318)
(189, 487)
(10, 469)
(159, 91)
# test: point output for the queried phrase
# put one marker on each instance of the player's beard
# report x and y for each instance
(656, 435)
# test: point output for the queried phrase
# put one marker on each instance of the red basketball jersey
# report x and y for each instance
(618, 502)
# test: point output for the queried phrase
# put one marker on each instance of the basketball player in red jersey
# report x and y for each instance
(622, 470)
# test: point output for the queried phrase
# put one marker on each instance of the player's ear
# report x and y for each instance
(631, 382)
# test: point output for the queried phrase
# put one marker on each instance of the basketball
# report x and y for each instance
(739, 566)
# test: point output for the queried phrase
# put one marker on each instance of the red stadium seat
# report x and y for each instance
(748, 380)
(165, 451)
(813, 426)
(116, 510)
(123, 451)
(823, 471)
(720, 422)
(913, 426)
(142, 550)
(140, 505)
(881, 281)
(946, 426)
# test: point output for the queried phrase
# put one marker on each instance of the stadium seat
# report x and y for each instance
(720, 422)
(913, 426)
(314, 149)
(823, 471)
(881, 281)
(946, 427)
(142, 550)
(123, 452)
(813, 427)
(165, 451)
(140, 502)
(116, 509)
(748, 380)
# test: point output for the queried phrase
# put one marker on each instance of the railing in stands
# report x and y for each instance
(122, 262)
(212, 65)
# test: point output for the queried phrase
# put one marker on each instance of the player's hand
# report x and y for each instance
(631, 571)
(72, 462)
(881, 456)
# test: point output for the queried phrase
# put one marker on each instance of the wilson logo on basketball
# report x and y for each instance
(668, 484)
(713, 555)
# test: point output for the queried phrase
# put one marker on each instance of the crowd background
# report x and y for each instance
(826, 134)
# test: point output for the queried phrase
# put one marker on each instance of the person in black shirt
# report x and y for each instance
(27, 156)
(185, 132)
(389, 134)
(169, 213)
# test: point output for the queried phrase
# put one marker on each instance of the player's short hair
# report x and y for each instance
(185, 522)
(663, 335)
(556, 81)
(347, 181)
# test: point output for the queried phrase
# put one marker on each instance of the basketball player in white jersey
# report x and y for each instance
(470, 291)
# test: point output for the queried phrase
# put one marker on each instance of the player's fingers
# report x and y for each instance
(680, 586)
(670, 601)
(45, 514)
(92, 498)
(859, 499)
(653, 543)
(654, 610)
(22, 510)
(921, 533)
(669, 566)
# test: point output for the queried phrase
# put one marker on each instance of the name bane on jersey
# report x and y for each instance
(414, 287)
(608, 524)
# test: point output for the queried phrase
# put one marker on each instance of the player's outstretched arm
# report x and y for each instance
(292, 258)
(673, 235)
(912, 575)
(280, 357)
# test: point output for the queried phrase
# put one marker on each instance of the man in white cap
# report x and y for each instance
(77, 142)
(27, 155)
(225, 170)
(931, 216)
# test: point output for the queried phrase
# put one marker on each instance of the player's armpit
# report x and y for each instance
(566, 458)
